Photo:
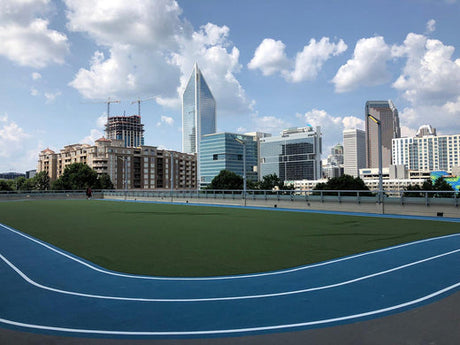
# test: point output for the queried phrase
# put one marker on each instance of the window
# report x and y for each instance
(215, 157)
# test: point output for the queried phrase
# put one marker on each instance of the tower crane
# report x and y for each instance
(139, 101)
(108, 106)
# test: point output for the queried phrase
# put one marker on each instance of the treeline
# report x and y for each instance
(76, 176)
(228, 180)
(437, 189)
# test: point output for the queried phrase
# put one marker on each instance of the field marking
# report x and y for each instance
(213, 299)
(255, 275)
(238, 330)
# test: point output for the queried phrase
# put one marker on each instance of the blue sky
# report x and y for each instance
(270, 64)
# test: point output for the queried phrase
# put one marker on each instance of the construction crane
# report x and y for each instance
(108, 106)
(139, 101)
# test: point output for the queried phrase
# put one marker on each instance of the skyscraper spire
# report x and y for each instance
(198, 111)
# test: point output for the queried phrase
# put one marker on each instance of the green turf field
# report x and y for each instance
(185, 240)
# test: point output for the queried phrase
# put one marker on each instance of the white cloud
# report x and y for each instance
(430, 75)
(431, 26)
(51, 97)
(92, 137)
(36, 76)
(331, 126)
(101, 121)
(309, 62)
(442, 117)
(96, 133)
(270, 58)
(430, 82)
(34, 92)
(269, 124)
(366, 68)
(25, 37)
(165, 120)
(18, 148)
(155, 56)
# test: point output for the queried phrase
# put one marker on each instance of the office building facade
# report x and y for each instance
(294, 155)
(387, 114)
(222, 151)
(198, 112)
(428, 152)
(354, 151)
(144, 167)
(127, 129)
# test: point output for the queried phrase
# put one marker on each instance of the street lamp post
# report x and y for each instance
(379, 126)
(242, 142)
(172, 175)
(125, 173)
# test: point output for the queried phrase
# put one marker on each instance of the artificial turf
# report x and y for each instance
(186, 240)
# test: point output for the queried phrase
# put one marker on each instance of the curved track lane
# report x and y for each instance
(45, 289)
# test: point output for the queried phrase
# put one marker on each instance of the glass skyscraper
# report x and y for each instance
(295, 155)
(198, 112)
(221, 151)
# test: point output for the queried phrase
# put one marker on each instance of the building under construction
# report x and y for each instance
(128, 129)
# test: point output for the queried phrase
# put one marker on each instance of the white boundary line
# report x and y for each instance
(230, 331)
(213, 299)
(219, 277)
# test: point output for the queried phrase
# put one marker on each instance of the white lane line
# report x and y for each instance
(213, 299)
(221, 277)
(238, 330)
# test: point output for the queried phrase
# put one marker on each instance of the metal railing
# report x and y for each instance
(357, 196)
(350, 196)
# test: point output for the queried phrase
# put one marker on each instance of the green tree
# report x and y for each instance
(19, 183)
(344, 182)
(76, 176)
(226, 180)
(272, 181)
(41, 181)
(5, 186)
(104, 182)
(413, 191)
(441, 185)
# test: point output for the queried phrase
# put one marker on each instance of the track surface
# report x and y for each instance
(46, 290)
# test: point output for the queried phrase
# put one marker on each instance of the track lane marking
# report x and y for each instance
(214, 299)
(239, 330)
(300, 268)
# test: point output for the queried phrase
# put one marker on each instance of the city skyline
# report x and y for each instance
(270, 66)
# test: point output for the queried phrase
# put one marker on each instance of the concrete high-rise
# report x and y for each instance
(387, 114)
(198, 112)
(427, 151)
(128, 129)
(354, 151)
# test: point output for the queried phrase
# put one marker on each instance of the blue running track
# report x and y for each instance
(46, 290)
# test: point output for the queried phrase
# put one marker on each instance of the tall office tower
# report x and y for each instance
(198, 112)
(354, 151)
(221, 151)
(427, 152)
(128, 129)
(294, 155)
(387, 114)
